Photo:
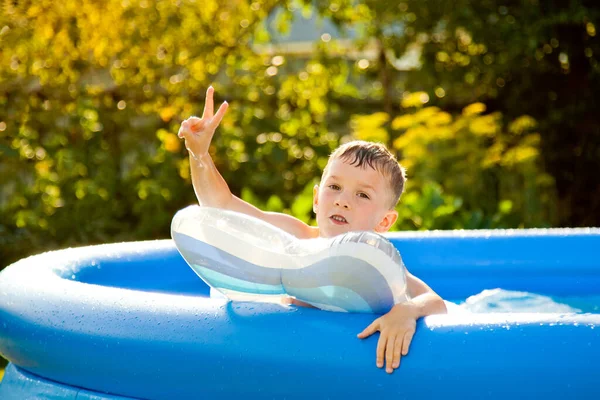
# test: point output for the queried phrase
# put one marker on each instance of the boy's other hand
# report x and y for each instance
(198, 132)
(396, 330)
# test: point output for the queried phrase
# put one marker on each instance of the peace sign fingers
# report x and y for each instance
(209, 104)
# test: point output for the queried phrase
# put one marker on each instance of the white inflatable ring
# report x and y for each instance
(238, 255)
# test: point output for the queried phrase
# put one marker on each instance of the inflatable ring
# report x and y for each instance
(239, 254)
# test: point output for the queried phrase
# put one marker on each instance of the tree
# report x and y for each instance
(532, 57)
(92, 94)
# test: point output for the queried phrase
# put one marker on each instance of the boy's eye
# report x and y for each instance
(364, 195)
(334, 187)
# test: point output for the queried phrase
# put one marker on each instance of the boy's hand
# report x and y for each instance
(198, 132)
(396, 330)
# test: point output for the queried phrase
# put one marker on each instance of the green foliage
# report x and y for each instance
(466, 171)
(92, 94)
(523, 57)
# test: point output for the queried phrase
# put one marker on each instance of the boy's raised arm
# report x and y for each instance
(210, 187)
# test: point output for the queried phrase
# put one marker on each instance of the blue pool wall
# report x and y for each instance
(71, 318)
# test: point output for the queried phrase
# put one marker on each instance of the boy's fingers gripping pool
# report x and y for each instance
(369, 330)
(381, 345)
(398, 347)
(390, 352)
(390, 348)
(406, 343)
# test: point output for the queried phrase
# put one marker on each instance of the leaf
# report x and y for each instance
(487, 125)
(474, 109)
(368, 127)
(522, 124)
(505, 206)
(404, 122)
(416, 100)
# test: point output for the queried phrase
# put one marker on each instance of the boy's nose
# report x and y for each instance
(340, 202)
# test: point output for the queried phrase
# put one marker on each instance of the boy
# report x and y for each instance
(360, 187)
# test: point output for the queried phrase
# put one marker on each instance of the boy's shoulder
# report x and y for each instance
(312, 232)
(292, 225)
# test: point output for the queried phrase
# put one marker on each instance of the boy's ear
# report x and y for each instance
(387, 221)
(315, 198)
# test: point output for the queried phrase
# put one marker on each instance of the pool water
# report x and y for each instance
(504, 301)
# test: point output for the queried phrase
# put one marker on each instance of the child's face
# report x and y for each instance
(352, 199)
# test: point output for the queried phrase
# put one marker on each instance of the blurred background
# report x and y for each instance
(490, 105)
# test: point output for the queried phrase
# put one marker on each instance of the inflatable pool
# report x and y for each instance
(132, 320)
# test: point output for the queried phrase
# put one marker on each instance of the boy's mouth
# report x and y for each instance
(338, 220)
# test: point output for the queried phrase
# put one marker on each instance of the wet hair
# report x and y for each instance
(375, 155)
